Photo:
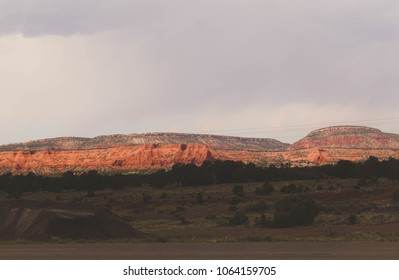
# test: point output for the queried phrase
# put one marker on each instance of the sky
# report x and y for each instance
(253, 68)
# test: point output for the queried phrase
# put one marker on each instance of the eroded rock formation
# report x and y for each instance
(350, 137)
(142, 157)
(139, 152)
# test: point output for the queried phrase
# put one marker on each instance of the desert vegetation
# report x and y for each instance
(234, 201)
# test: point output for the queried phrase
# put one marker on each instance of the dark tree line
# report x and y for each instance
(191, 175)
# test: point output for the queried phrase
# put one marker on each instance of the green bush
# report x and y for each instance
(235, 200)
(238, 190)
(147, 198)
(353, 219)
(259, 206)
(210, 217)
(239, 218)
(361, 183)
(232, 208)
(395, 196)
(200, 197)
(295, 211)
(265, 189)
(263, 221)
(292, 188)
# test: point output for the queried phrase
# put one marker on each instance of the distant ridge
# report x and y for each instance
(349, 137)
(153, 151)
(118, 140)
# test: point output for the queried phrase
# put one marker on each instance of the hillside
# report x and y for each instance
(348, 137)
(353, 143)
(143, 152)
(119, 140)
(127, 158)
(44, 220)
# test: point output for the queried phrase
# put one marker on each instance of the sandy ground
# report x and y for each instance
(147, 251)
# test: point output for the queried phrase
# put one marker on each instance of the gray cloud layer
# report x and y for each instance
(40, 17)
(96, 67)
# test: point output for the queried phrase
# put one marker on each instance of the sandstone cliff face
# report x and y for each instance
(119, 140)
(351, 137)
(354, 143)
(161, 151)
(314, 156)
(126, 158)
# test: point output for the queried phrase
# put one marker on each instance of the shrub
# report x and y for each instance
(239, 218)
(179, 209)
(300, 188)
(235, 200)
(76, 200)
(265, 189)
(295, 211)
(147, 198)
(352, 219)
(361, 183)
(395, 196)
(288, 189)
(373, 181)
(263, 221)
(257, 207)
(161, 239)
(56, 189)
(183, 220)
(238, 190)
(292, 188)
(210, 217)
(200, 197)
(232, 208)
(91, 193)
(253, 238)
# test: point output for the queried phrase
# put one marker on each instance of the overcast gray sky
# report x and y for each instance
(258, 68)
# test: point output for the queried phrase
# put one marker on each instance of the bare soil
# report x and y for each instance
(203, 251)
(44, 220)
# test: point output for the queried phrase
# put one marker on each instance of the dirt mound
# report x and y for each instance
(41, 221)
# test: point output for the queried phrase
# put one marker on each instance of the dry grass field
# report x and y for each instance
(349, 210)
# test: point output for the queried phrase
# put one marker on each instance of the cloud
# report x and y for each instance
(43, 17)
(94, 67)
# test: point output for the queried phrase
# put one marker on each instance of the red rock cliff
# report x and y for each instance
(351, 137)
(148, 156)
(116, 153)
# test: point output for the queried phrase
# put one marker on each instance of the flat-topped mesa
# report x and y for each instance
(348, 137)
(153, 151)
(118, 140)
(124, 158)
(341, 130)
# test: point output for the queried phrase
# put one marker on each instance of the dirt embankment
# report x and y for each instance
(37, 220)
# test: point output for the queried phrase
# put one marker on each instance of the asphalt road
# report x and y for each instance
(206, 251)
